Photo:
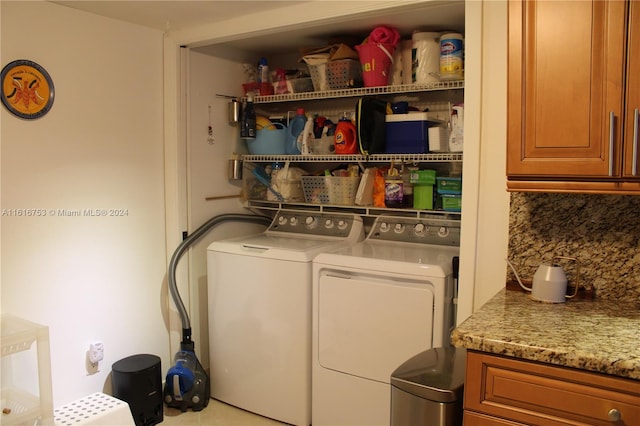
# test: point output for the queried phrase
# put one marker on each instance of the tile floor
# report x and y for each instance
(215, 414)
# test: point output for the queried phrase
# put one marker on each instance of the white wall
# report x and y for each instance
(100, 147)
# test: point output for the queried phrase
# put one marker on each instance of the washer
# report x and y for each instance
(375, 305)
(260, 312)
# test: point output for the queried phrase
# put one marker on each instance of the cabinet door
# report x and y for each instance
(540, 394)
(475, 419)
(632, 124)
(565, 94)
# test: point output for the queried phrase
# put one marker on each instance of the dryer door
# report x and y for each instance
(368, 325)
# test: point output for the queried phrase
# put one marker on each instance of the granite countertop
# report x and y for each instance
(595, 335)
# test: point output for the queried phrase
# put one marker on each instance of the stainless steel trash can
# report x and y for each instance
(427, 389)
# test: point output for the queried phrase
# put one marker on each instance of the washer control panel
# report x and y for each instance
(314, 223)
(413, 230)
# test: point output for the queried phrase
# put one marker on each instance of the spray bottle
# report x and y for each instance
(303, 138)
(456, 139)
(264, 83)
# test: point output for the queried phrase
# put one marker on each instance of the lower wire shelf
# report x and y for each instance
(368, 211)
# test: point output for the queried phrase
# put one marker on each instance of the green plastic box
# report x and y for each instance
(451, 202)
(423, 177)
(449, 185)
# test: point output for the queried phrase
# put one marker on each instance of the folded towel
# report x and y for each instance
(384, 34)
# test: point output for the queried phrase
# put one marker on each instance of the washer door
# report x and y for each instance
(368, 325)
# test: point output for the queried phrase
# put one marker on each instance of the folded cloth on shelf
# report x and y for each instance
(384, 34)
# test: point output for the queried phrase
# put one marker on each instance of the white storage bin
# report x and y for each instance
(24, 402)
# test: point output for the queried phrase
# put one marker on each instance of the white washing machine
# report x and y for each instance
(260, 312)
(375, 305)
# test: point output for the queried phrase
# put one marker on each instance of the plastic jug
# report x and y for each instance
(296, 126)
(345, 136)
(305, 137)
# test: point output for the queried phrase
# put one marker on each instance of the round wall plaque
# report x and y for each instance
(27, 89)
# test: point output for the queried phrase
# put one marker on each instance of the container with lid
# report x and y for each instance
(451, 56)
(408, 133)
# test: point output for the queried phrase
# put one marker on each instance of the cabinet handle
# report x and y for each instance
(611, 137)
(614, 415)
(634, 167)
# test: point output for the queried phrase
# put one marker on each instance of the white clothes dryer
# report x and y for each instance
(375, 305)
(259, 294)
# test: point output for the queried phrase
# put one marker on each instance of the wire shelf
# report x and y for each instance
(447, 157)
(368, 211)
(362, 91)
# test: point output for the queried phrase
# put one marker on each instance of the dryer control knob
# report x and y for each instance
(328, 223)
(443, 231)
(293, 221)
(384, 227)
(342, 224)
(420, 230)
(399, 228)
(311, 222)
(282, 220)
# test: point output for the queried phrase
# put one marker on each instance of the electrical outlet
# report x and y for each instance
(96, 352)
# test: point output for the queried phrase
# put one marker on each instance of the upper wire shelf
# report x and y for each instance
(373, 158)
(362, 91)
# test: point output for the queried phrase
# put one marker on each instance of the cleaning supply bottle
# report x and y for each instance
(296, 126)
(456, 139)
(393, 188)
(248, 126)
(264, 82)
(345, 141)
(305, 136)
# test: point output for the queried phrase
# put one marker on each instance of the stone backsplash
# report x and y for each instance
(601, 231)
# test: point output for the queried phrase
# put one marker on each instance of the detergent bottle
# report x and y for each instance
(345, 141)
(296, 126)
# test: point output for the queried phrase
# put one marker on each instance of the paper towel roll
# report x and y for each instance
(426, 57)
(406, 47)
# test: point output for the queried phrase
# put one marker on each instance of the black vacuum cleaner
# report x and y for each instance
(187, 383)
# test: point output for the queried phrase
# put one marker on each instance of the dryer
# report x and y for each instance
(375, 305)
(259, 299)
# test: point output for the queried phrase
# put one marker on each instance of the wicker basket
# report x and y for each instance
(334, 75)
(330, 189)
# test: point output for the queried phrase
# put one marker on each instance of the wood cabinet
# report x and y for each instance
(573, 96)
(507, 391)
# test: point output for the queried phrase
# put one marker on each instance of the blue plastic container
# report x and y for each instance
(408, 133)
(296, 126)
(268, 141)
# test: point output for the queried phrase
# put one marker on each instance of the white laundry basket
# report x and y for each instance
(96, 409)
